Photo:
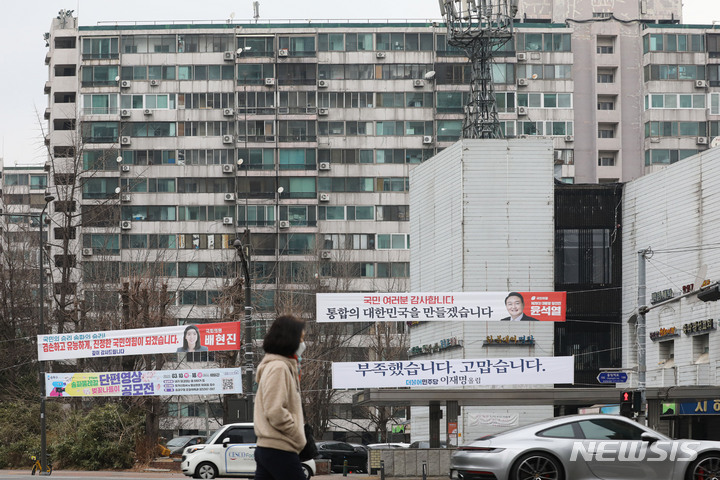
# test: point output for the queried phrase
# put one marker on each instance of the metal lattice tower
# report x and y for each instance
(479, 27)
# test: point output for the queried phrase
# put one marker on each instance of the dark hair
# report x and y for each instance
(515, 294)
(185, 344)
(283, 337)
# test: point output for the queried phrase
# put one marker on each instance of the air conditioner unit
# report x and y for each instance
(521, 56)
(701, 140)
(427, 139)
(227, 139)
(569, 138)
(269, 81)
(227, 168)
(125, 140)
(125, 83)
(229, 197)
(228, 56)
(124, 112)
(87, 252)
(418, 83)
(323, 111)
(701, 83)
(324, 197)
(228, 112)
(283, 52)
(522, 82)
(154, 83)
(323, 83)
(126, 224)
(283, 110)
(326, 254)
(284, 224)
(227, 220)
(324, 166)
(125, 168)
(147, 111)
(522, 110)
(125, 197)
(380, 55)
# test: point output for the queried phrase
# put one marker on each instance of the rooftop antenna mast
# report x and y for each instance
(479, 27)
(256, 10)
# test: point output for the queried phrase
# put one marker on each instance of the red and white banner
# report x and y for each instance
(423, 307)
(201, 337)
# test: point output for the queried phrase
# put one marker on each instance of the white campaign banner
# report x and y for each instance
(215, 381)
(453, 373)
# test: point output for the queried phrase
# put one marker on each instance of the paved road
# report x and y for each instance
(153, 474)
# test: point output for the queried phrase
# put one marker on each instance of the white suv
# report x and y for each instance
(229, 452)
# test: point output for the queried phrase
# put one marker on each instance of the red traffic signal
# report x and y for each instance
(627, 397)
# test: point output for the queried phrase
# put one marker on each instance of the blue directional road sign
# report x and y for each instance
(612, 377)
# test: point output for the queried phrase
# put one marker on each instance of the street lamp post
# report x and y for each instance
(249, 354)
(41, 330)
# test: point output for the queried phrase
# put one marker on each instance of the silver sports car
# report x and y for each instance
(585, 447)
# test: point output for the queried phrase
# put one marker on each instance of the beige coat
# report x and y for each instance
(278, 414)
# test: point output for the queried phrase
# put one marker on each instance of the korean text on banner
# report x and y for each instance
(456, 306)
(216, 381)
(140, 341)
(453, 373)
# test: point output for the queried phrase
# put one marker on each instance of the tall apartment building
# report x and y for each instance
(179, 137)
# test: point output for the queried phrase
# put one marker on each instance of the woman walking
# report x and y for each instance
(278, 408)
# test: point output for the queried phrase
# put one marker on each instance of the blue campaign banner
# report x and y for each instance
(699, 407)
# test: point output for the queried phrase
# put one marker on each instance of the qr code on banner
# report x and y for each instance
(228, 383)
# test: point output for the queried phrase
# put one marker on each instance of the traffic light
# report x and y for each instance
(627, 402)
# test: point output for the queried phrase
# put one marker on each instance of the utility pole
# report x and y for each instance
(249, 357)
(641, 336)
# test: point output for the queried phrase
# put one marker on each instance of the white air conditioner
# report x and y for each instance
(283, 52)
(522, 82)
(521, 56)
(228, 56)
(229, 197)
(228, 112)
(701, 140)
(125, 140)
(284, 224)
(326, 254)
(522, 111)
(283, 110)
(323, 83)
(87, 252)
(227, 220)
(147, 111)
(125, 197)
(227, 168)
(125, 168)
(569, 138)
(701, 83)
(126, 224)
(227, 139)
(380, 55)
(154, 83)
(324, 166)
(418, 83)
(427, 139)
(324, 197)
(323, 111)
(125, 83)
(269, 81)
(124, 112)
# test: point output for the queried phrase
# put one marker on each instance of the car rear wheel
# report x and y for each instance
(537, 466)
(307, 472)
(704, 468)
(206, 470)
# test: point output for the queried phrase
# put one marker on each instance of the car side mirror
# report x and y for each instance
(225, 441)
(648, 437)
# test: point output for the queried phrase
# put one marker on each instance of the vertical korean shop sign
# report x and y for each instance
(140, 341)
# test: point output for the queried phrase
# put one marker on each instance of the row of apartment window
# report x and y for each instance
(300, 45)
(35, 182)
(511, 128)
(666, 156)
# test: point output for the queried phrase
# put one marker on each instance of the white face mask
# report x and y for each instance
(300, 350)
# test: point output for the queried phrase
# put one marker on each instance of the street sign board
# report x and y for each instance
(612, 377)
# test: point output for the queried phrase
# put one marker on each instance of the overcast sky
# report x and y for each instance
(22, 48)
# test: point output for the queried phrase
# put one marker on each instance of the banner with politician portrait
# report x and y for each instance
(453, 373)
(423, 307)
(201, 337)
(217, 381)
